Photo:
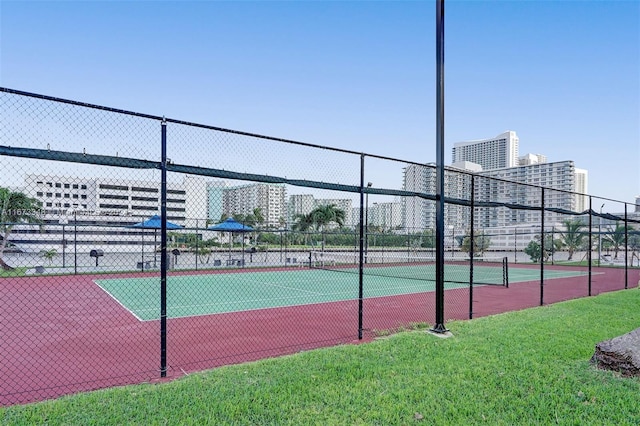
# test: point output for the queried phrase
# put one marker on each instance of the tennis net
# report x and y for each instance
(486, 271)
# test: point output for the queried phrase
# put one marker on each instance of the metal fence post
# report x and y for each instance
(542, 251)
(626, 248)
(197, 247)
(472, 225)
(360, 261)
(590, 242)
(163, 253)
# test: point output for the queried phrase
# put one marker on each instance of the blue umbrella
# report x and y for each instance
(154, 222)
(231, 225)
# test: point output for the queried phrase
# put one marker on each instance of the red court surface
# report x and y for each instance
(63, 335)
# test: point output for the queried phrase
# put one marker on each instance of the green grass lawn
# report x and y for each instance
(15, 272)
(520, 368)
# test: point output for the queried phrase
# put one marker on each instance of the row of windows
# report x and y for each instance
(60, 185)
(141, 189)
(116, 187)
(67, 205)
(59, 195)
(114, 197)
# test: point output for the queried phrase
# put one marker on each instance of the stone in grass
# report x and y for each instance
(621, 354)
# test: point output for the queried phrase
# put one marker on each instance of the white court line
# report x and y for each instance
(118, 301)
(286, 287)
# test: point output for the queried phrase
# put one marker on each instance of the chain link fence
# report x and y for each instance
(135, 247)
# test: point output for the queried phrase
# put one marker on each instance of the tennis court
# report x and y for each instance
(206, 294)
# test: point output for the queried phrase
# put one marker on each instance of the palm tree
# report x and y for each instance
(573, 237)
(617, 239)
(15, 207)
(303, 223)
(259, 217)
(49, 254)
(322, 216)
(634, 244)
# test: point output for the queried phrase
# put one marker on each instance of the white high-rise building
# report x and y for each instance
(91, 213)
(269, 198)
(529, 159)
(518, 185)
(387, 216)
(420, 213)
(493, 153)
(118, 197)
(581, 185)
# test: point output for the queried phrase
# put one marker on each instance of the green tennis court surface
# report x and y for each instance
(193, 295)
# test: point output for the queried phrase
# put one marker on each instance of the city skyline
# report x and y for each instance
(546, 70)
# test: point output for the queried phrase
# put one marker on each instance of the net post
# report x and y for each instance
(505, 271)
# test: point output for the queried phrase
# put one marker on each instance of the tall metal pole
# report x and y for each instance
(361, 252)
(163, 253)
(439, 323)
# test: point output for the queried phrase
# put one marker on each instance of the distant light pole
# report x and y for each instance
(600, 233)
(366, 221)
(63, 222)
(453, 238)
(553, 245)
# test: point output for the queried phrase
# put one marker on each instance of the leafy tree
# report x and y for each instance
(481, 243)
(15, 207)
(428, 239)
(49, 254)
(533, 250)
(551, 245)
(573, 237)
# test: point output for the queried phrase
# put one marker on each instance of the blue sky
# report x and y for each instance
(359, 75)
